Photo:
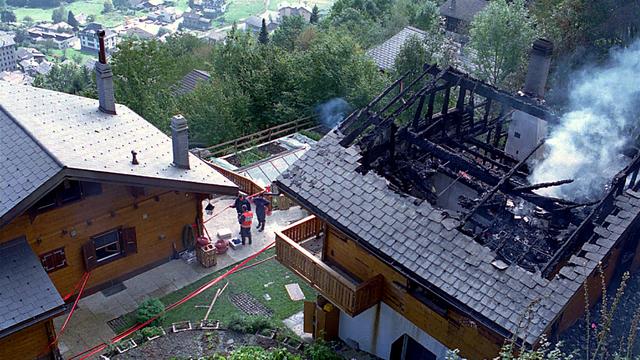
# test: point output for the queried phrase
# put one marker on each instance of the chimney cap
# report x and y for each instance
(542, 47)
(178, 122)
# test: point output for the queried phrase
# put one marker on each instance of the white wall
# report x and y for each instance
(376, 337)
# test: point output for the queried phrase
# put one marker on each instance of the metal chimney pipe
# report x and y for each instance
(104, 79)
(538, 69)
(180, 141)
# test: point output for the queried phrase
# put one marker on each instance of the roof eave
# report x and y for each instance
(34, 320)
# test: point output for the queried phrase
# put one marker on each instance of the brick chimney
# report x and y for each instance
(538, 70)
(104, 79)
(180, 140)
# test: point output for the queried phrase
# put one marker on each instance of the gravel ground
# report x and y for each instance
(575, 337)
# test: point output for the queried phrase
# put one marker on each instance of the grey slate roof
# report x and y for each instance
(384, 55)
(423, 242)
(6, 40)
(190, 81)
(464, 10)
(26, 290)
(53, 134)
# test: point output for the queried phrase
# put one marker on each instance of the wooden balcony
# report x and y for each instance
(350, 295)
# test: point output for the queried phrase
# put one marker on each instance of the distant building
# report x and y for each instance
(213, 8)
(165, 15)
(89, 38)
(151, 5)
(60, 35)
(254, 23)
(191, 80)
(294, 10)
(26, 53)
(196, 21)
(458, 14)
(7, 53)
(215, 36)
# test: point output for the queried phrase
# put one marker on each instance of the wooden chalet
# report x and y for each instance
(413, 244)
(86, 188)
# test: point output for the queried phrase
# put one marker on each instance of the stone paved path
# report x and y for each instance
(89, 327)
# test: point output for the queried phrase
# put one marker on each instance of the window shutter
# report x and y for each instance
(89, 253)
(130, 244)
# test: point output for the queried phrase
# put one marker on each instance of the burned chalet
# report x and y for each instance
(427, 235)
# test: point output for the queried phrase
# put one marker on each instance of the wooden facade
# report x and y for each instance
(370, 280)
(29, 343)
(157, 216)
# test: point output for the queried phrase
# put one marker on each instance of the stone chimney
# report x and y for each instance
(526, 131)
(104, 79)
(452, 6)
(538, 70)
(180, 140)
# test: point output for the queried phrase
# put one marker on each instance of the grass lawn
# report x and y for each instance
(240, 9)
(322, 4)
(70, 54)
(87, 7)
(251, 281)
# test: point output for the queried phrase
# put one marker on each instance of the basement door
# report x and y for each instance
(406, 348)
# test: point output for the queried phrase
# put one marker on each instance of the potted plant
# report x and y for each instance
(153, 332)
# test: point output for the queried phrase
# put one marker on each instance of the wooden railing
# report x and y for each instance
(350, 297)
(257, 138)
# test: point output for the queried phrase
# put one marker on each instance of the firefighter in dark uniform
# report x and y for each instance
(245, 220)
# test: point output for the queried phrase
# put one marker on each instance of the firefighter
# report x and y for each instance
(245, 220)
(262, 205)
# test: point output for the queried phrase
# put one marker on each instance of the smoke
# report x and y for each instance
(602, 120)
(333, 112)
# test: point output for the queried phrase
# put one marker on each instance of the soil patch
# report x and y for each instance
(250, 305)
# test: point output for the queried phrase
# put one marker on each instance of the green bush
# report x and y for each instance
(151, 331)
(250, 324)
(258, 353)
(149, 309)
(311, 134)
(320, 350)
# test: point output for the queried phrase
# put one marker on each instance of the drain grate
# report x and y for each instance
(118, 324)
(114, 289)
(250, 304)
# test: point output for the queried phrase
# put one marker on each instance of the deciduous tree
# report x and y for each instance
(286, 35)
(500, 37)
(59, 14)
(7, 16)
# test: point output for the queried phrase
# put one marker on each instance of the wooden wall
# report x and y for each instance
(454, 331)
(28, 343)
(158, 218)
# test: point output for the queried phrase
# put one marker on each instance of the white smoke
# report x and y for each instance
(603, 119)
(333, 111)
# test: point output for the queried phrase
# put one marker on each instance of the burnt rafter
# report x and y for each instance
(522, 103)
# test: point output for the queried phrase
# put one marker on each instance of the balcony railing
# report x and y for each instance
(351, 297)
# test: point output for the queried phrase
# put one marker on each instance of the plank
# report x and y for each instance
(295, 292)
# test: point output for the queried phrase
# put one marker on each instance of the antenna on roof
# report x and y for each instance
(104, 78)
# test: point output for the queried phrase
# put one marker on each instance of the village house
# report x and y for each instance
(7, 53)
(254, 23)
(89, 38)
(196, 21)
(458, 14)
(294, 10)
(60, 35)
(426, 235)
(88, 187)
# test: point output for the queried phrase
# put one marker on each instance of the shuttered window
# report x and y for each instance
(109, 246)
(53, 260)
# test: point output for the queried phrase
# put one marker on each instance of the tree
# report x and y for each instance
(3, 4)
(500, 37)
(315, 15)
(8, 16)
(59, 14)
(68, 78)
(71, 20)
(263, 38)
(411, 57)
(91, 18)
(286, 35)
(27, 21)
(107, 7)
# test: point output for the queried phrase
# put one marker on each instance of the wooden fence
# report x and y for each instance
(257, 138)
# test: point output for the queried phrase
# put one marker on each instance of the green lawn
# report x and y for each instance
(322, 4)
(240, 9)
(251, 280)
(70, 54)
(86, 7)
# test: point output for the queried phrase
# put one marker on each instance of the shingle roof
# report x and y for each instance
(6, 40)
(464, 10)
(384, 55)
(191, 80)
(75, 137)
(27, 292)
(424, 242)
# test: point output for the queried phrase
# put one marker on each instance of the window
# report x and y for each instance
(405, 348)
(109, 246)
(66, 193)
(53, 260)
(516, 134)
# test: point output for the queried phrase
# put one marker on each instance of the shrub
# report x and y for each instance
(250, 324)
(151, 331)
(320, 350)
(258, 353)
(149, 309)
(311, 134)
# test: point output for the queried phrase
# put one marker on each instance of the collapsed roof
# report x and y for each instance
(431, 190)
